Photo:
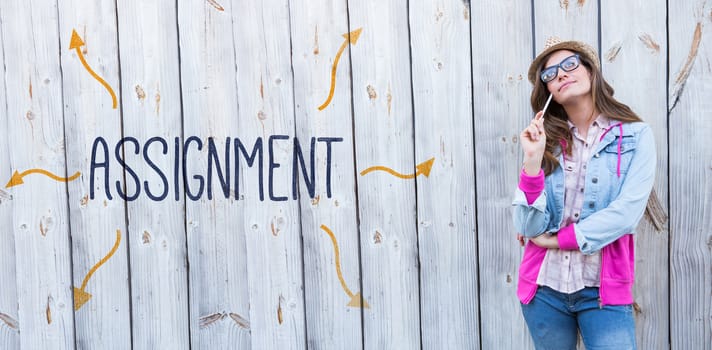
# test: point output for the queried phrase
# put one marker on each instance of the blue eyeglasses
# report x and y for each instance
(568, 64)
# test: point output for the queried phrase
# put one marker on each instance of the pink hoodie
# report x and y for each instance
(617, 269)
(617, 258)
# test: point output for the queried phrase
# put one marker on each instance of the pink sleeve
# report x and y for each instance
(531, 185)
(567, 238)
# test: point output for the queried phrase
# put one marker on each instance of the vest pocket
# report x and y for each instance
(610, 152)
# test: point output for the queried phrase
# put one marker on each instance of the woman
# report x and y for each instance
(589, 166)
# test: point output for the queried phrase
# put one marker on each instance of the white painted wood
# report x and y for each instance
(148, 42)
(217, 256)
(317, 38)
(567, 19)
(442, 95)
(383, 134)
(9, 323)
(689, 91)
(265, 96)
(501, 109)
(39, 206)
(88, 114)
(633, 46)
(262, 273)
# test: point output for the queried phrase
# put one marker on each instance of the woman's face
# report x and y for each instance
(568, 86)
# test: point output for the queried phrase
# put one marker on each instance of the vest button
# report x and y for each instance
(594, 180)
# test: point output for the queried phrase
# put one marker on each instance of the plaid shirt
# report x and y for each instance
(568, 271)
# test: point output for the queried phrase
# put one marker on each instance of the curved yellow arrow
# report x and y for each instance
(350, 37)
(80, 296)
(422, 168)
(355, 298)
(76, 43)
(16, 178)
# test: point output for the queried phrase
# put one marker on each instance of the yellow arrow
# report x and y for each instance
(80, 296)
(355, 298)
(16, 178)
(422, 168)
(76, 43)
(350, 37)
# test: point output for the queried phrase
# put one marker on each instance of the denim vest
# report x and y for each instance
(619, 179)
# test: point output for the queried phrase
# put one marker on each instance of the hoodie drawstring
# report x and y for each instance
(563, 144)
(620, 142)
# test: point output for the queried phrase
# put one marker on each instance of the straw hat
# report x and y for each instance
(552, 44)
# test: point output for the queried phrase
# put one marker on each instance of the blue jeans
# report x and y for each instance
(555, 318)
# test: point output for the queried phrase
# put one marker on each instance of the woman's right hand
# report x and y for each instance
(533, 140)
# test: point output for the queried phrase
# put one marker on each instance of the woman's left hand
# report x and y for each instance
(546, 241)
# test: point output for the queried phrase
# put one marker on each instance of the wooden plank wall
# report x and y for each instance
(319, 32)
(265, 99)
(40, 212)
(9, 332)
(100, 224)
(318, 174)
(501, 107)
(218, 257)
(384, 136)
(156, 233)
(689, 89)
(442, 97)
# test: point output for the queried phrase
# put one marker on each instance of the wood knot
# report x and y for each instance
(371, 92)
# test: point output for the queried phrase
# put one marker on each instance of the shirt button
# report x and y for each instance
(594, 180)
(584, 166)
(576, 215)
(581, 189)
(585, 144)
(566, 257)
(591, 205)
